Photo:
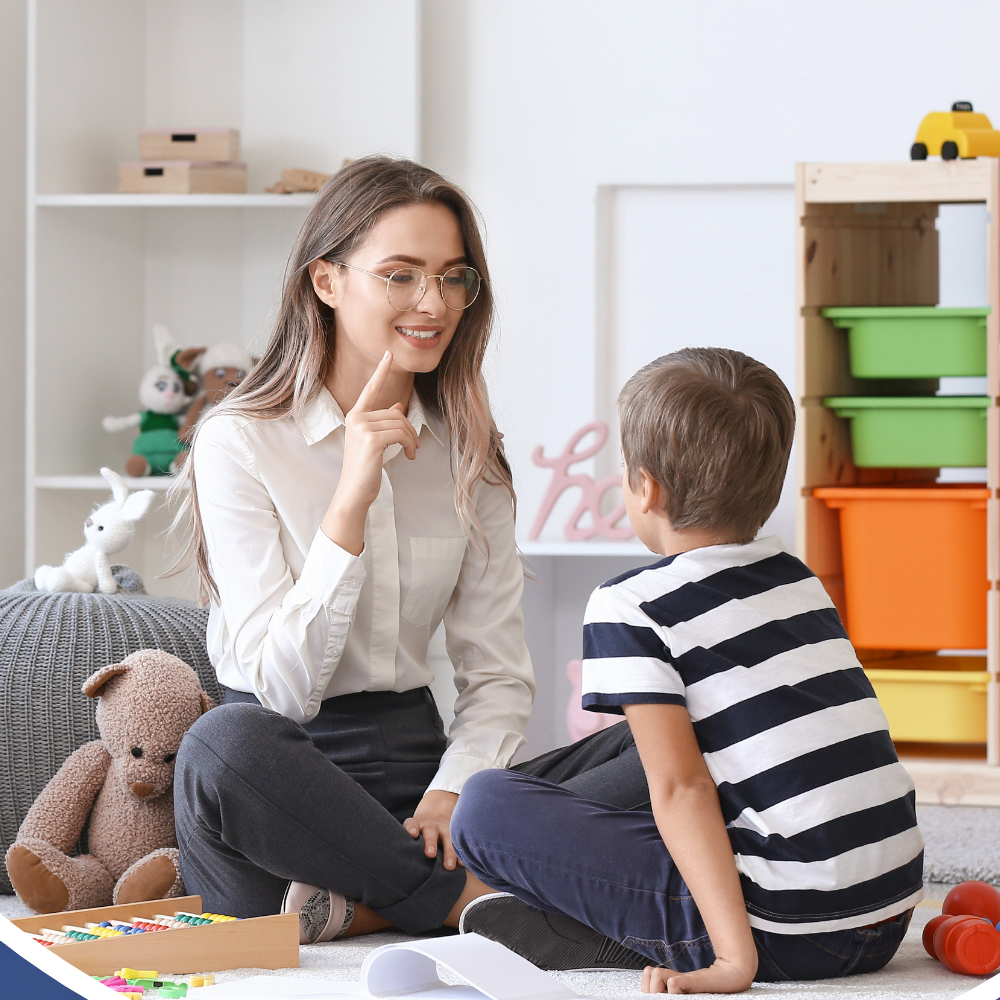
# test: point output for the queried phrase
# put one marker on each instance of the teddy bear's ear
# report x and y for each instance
(206, 702)
(94, 684)
(188, 356)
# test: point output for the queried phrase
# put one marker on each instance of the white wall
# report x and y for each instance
(563, 96)
(12, 103)
(535, 106)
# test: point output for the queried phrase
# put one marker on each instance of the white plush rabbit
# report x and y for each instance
(108, 530)
(162, 395)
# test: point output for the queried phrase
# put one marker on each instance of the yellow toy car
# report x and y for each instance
(956, 133)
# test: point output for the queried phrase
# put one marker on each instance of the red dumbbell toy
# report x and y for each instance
(973, 899)
(928, 936)
(963, 937)
(969, 945)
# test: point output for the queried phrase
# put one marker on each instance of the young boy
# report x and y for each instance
(782, 842)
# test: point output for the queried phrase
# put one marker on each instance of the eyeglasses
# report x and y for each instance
(406, 286)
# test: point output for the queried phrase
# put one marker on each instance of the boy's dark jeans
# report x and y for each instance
(608, 867)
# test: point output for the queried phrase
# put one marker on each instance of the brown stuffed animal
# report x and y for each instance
(122, 782)
(221, 368)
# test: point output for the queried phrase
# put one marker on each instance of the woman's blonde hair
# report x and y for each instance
(298, 355)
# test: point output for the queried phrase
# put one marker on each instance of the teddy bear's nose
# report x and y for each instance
(141, 788)
(88, 523)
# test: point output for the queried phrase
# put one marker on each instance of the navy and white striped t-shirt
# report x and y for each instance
(820, 812)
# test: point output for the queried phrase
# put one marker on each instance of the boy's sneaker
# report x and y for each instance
(549, 940)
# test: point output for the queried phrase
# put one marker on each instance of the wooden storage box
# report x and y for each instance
(221, 145)
(182, 177)
(258, 942)
(932, 699)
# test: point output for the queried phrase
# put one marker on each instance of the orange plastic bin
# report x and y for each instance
(914, 564)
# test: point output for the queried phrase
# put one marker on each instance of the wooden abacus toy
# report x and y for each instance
(165, 934)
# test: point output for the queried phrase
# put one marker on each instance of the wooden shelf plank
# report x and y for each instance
(113, 200)
(954, 782)
(635, 549)
(913, 180)
(100, 483)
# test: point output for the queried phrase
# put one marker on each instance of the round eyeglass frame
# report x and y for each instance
(423, 291)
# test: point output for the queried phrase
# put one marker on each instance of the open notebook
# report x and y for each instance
(491, 971)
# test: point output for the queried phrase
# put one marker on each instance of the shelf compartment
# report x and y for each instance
(915, 431)
(111, 200)
(914, 565)
(913, 342)
(933, 699)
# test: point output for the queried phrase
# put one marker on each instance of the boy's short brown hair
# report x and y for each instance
(714, 428)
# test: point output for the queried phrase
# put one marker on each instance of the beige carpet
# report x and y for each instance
(911, 975)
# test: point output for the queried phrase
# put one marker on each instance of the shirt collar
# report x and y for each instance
(322, 415)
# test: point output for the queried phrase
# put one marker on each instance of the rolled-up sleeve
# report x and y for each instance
(484, 635)
(285, 636)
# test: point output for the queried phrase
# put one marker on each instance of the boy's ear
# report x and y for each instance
(651, 492)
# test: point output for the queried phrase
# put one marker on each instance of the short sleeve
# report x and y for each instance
(625, 660)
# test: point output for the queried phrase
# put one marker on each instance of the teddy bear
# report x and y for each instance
(122, 783)
(163, 395)
(220, 368)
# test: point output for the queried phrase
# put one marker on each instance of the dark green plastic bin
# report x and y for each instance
(913, 341)
(915, 431)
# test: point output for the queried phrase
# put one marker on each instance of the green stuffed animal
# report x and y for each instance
(164, 394)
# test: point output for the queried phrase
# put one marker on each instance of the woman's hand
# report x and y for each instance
(720, 977)
(369, 431)
(432, 818)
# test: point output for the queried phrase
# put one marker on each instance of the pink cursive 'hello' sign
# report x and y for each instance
(591, 493)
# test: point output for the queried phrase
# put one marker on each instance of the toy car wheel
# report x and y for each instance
(949, 150)
(918, 151)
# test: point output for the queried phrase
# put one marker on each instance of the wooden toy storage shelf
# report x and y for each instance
(866, 236)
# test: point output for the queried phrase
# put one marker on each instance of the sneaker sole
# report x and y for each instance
(529, 933)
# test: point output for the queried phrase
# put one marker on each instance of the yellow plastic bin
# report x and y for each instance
(914, 564)
(932, 699)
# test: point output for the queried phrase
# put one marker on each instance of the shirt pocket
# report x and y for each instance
(434, 567)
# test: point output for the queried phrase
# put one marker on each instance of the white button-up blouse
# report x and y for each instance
(300, 619)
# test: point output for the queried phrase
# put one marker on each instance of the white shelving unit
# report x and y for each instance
(103, 267)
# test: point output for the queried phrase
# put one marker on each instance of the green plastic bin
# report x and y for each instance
(915, 431)
(913, 341)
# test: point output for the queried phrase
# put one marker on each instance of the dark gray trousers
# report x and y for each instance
(260, 801)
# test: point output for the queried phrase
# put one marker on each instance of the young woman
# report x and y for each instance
(349, 495)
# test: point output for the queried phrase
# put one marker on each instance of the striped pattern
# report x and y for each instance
(821, 814)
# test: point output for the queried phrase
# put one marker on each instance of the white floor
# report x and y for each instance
(911, 975)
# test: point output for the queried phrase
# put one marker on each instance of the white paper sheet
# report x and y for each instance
(409, 970)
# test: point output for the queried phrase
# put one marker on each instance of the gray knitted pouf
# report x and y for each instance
(49, 645)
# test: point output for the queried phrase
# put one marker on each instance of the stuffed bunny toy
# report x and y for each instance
(122, 783)
(108, 530)
(163, 395)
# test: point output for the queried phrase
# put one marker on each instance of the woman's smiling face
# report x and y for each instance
(426, 236)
